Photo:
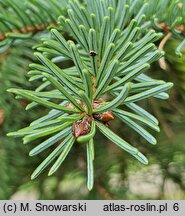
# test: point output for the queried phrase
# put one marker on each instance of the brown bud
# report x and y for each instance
(97, 103)
(70, 105)
(81, 127)
(164, 26)
(104, 117)
(180, 28)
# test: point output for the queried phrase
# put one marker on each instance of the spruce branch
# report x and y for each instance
(109, 57)
(22, 19)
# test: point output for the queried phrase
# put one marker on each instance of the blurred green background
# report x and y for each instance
(117, 175)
